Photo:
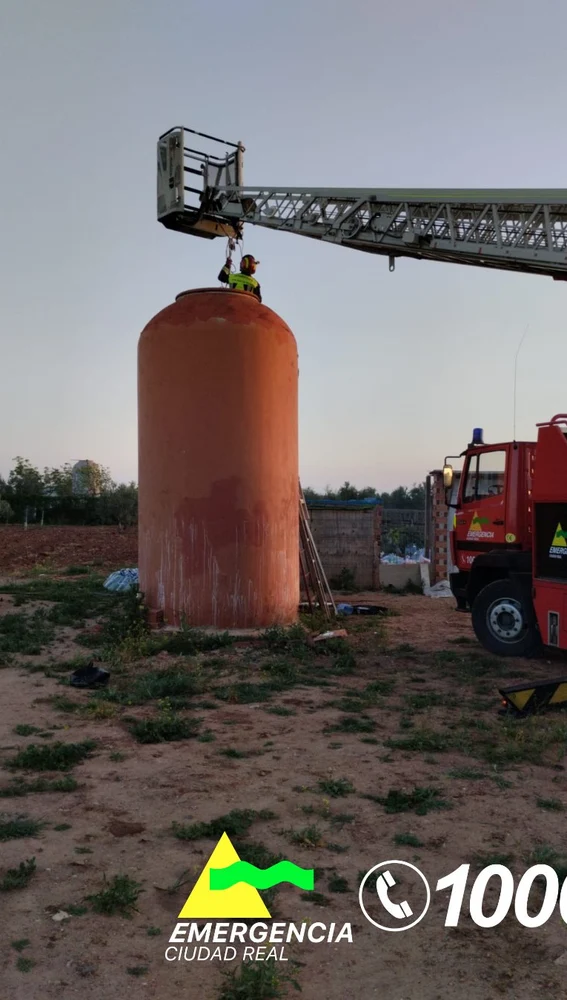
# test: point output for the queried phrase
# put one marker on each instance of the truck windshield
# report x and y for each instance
(485, 476)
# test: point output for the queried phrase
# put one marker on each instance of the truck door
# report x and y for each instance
(480, 519)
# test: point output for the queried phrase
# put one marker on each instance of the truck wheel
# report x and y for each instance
(503, 623)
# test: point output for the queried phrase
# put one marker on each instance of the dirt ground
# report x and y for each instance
(51, 547)
(424, 700)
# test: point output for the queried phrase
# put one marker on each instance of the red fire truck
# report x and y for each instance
(509, 540)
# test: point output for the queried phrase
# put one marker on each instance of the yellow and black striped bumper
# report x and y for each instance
(526, 698)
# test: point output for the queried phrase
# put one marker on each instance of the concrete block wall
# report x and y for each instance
(349, 539)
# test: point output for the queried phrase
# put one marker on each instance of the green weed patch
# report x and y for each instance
(234, 824)
(54, 757)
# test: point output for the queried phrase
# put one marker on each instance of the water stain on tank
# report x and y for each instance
(218, 462)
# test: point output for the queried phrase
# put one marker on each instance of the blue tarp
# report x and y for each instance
(121, 580)
(369, 502)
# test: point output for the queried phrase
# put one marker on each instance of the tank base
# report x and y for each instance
(155, 618)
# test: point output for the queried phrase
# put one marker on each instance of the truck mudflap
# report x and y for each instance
(459, 583)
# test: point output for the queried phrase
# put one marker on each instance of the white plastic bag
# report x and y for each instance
(441, 589)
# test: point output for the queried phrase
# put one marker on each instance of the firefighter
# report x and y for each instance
(243, 281)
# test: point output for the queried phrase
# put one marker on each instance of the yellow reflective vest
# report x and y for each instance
(243, 283)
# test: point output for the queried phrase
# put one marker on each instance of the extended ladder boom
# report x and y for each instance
(516, 230)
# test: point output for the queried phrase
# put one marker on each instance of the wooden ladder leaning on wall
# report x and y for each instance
(315, 582)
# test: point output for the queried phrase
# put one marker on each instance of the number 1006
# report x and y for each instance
(457, 880)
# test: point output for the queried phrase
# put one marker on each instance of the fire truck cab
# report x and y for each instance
(509, 540)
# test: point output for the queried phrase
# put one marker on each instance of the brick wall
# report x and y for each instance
(441, 522)
(349, 539)
(439, 567)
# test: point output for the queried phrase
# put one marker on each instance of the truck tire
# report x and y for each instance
(503, 623)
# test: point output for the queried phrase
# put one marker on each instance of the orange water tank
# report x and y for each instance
(218, 462)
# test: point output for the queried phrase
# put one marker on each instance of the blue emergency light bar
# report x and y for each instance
(477, 435)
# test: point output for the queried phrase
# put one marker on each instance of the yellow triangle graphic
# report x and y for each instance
(558, 539)
(241, 901)
(475, 526)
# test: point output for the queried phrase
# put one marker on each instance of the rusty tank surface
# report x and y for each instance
(218, 463)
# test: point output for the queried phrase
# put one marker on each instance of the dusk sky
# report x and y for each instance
(395, 369)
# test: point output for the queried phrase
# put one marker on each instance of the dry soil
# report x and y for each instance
(502, 785)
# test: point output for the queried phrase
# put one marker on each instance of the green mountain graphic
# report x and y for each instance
(480, 520)
(242, 871)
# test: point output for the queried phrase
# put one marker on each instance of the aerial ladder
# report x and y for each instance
(203, 194)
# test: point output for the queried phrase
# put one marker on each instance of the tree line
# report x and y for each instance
(53, 496)
(402, 498)
(61, 496)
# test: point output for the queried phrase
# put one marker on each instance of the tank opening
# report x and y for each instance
(224, 291)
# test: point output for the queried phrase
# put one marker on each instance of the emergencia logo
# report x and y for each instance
(558, 547)
(226, 897)
(476, 527)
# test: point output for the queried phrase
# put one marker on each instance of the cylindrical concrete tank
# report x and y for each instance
(218, 462)
(86, 477)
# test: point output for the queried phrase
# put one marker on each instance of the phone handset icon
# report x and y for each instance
(400, 911)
